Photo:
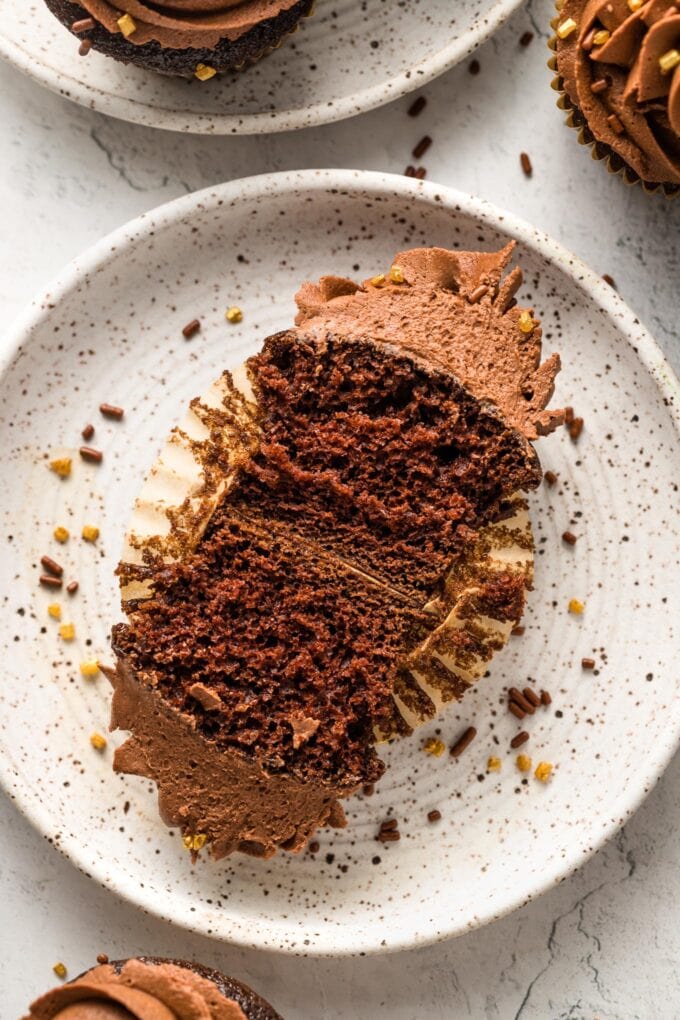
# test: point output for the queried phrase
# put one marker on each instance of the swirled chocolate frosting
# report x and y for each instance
(184, 24)
(621, 70)
(137, 991)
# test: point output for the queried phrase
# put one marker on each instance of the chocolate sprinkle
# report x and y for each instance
(191, 329)
(463, 742)
(422, 147)
(50, 581)
(111, 411)
(417, 106)
(90, 454)
(519, 739)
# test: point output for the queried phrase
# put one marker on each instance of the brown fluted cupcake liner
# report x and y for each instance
(599, 150)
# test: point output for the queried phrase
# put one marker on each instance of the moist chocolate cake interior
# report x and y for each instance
(283, 633)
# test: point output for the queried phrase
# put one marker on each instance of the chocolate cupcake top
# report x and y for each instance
(620, 64)
(183, 24)
(151, 989)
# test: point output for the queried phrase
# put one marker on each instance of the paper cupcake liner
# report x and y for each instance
(256, 58)
(199, 465)
(599, 151)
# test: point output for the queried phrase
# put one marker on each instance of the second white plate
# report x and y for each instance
(110, 330)
(347, 58)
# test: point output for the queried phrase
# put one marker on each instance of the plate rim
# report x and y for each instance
(130, 110)
(380, 184)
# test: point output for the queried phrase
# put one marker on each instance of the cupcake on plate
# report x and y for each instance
(185, 38)
(618, 65)
(331, 546)
(148, 988)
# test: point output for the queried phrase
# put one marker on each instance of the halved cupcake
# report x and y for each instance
(149, 988)
(185, 38)
(330, 548)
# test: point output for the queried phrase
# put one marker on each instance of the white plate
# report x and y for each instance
(110, 330)
(347, 58)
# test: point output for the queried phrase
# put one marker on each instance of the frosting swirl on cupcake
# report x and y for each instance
(137, 991)
(184, 24)
(621, 69)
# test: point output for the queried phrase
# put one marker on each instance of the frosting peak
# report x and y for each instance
(137, 991)
(455, 310)
(628, 87)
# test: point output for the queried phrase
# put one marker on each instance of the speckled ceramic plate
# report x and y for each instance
(110, 330)
(347, 58)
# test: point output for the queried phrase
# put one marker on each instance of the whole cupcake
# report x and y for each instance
(147, 988)
(186, 38)
(618, 63)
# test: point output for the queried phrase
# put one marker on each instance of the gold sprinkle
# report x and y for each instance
(67, 632)
(60, 970)
(204, 72)
(397, 274)
(493, 764)
(434, 746)
(196, 842)
(90, 533)
(566, 28)
(635, 5)
(543, 771)
(233, 314)
(89, 668)
(127, 25)
(601, 37)
(98, 741)
(523, 762)
(61, 534)
(576, 606)
(526, 322)
(378, 280)
(54, 610)
(61, 466)
(669, 60)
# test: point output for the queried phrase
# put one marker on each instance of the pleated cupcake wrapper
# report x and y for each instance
(251, 61)
(599, 150)
(199, 465)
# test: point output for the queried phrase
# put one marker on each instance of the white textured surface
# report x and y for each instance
(606, 942)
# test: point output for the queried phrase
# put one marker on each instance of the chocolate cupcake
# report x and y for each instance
(184, 38)
(618, 64)
(331, 546)
(148, 988)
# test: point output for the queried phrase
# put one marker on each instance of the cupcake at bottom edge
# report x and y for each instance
(186, 45)
(150, 988)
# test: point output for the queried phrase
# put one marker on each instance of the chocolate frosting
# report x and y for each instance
(184, 24)
(196, 782)
(437, 314)
(644, 100)
(137, 991)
